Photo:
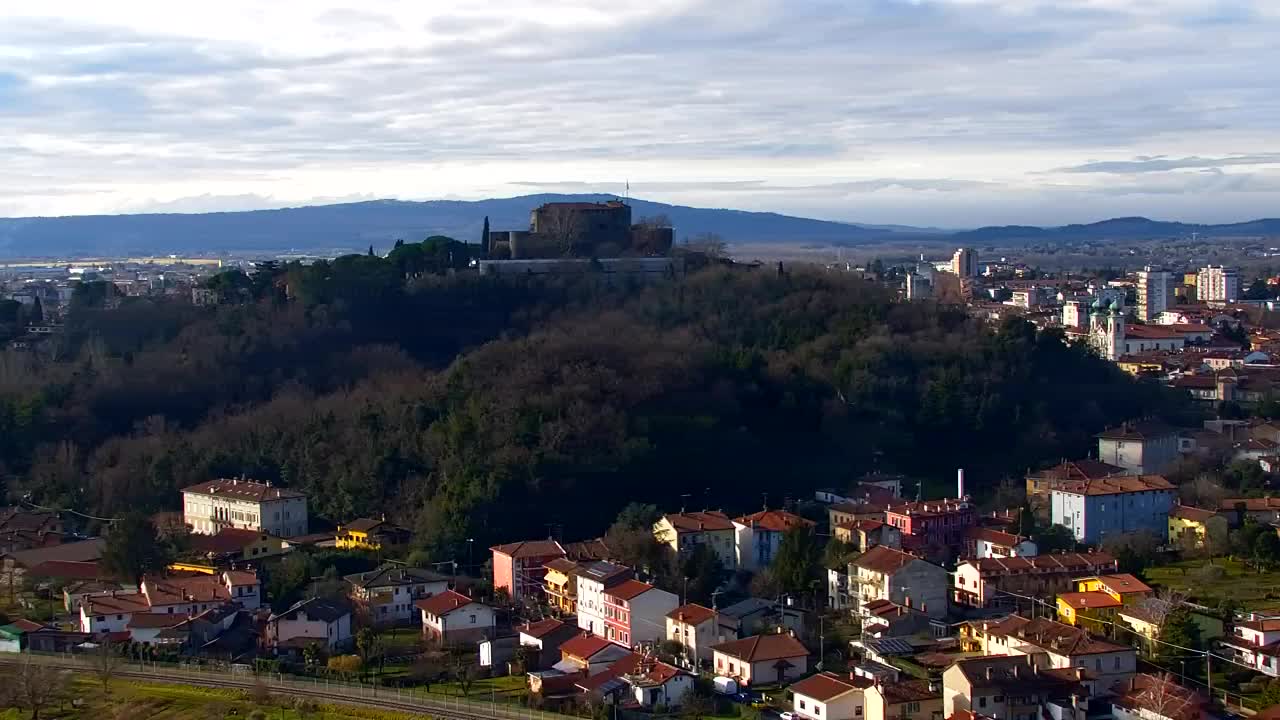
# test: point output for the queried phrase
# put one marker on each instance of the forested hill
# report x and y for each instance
(469, 408)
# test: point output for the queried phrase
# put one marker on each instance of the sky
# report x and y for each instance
(948, 113)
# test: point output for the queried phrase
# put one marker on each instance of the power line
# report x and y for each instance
(73, 512)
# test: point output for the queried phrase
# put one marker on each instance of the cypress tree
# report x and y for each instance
(484, 238)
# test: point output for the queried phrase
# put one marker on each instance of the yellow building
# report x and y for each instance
(370, 534)
(684, 531)
(1089, 610)
(1123, 587)
(1193, 525)
(1138, 366)
(561, 585)
(237, 544)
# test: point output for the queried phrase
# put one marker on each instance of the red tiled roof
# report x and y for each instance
(827, 686)
(1088, 600)
(699, 521)
(777, 646)
(443, 603)
(1150, 332)
(1124, 583)
(68, 569)
(884, 559)
(1136, 431)
(530, 549)
(1266, 625)
(225, 542)
(774, 520)
(243, 490)
(26, 625)
(118, 604)
(866, 526)
(1193, 514)
(540, 628)
(995, 537)
(1052, 635)
(587, 550)
(1250, 504)
(584, 646)
(1056, 562)
(1113, 485)
(692, 614)
(1080, 470)
(628, 590)
(1161, 697)
(908, 691)
(151, 621)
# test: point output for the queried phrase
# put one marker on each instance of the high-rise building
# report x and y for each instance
(965, 263)
(1218, 283)
(1154, 289)
(918, 287)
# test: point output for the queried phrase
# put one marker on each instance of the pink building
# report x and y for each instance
(518, 567)
(636, 612)
(933, 523)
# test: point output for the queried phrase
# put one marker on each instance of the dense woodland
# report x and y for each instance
(467, 407)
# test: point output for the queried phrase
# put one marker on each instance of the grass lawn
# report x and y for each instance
(508, 686)
(159, 701)
(1254, 590)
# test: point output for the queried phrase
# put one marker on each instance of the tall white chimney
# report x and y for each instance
(960, 483)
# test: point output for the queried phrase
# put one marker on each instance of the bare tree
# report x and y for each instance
(707, 243)
(561, 226)
(106, 664)
(32, 686)
(464, 671)
(1164, 697)
(660, 220)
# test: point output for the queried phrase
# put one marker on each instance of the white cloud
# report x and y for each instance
(934, 111)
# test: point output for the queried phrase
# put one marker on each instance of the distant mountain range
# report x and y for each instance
(333, 229)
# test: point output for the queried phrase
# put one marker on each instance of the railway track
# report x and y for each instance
(363, 696)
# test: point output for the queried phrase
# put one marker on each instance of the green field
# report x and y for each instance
(1252, 589)
(158, 701)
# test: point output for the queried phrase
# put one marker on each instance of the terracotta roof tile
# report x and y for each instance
(777, 646)
(774, 520)
(827, 686)
(699, 521)
(530, 549)
(884, 559)
(443, 603)
(692, 614)
(243, 490)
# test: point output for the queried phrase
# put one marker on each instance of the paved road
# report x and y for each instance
(364, 695)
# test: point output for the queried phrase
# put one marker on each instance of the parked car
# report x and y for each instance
(787, 715)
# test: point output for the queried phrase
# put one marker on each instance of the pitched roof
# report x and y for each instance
(828, 686)
(1113, 485)
(711, 520)
(628, 590)
(564, 566)
(758, 648)
(1137, 431)
(227, 541)
(243, 490)
(1124, 583)
(1087, 600)
(1051, 635)
(392, 575)
(540, 628)
(587, 550)
(117, 604)
(323, 609)
(603, 572)
(366, 525)
(995, 537)
(908, 691)
(884, 559)
(1051, 563)
(526, 549)
(1192, 514)
(863, 525)
(1263, 625)
(75, 552)
(151, 621)
(1007, 671)
(774, 520)
(443, 603)
(1161, 697)
(1250, 504)
(68, 569)
(692, 614)
(584, 646)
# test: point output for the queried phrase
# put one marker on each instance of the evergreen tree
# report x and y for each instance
(1179, 639)
(134, 549)
(796, 565)
(484, 238)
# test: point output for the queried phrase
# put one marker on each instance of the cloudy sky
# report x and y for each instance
(925, 112)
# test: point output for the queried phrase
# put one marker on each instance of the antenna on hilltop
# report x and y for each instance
(627, 196)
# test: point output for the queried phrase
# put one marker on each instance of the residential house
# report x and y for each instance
(324, 622)
(371, 534)
(884, 619)
(1040, 483)
(27, 529)
(594, 578)
(211, 506)
(520, 567)
(452, 619)
(233, 545)
(762, 659)
(183, 597)
(1007, 687)
(1152, 697)
(884, 573)
(904, 700)
(1094, 509)
(1192, 526)
(654, 683)
(1256, 644)
(986, 542)
(1122, 586)
(757, 536)
(1265, 510)
(588, 550)
(1061, 645)
(756, 616)
(685, 531)
(544, 638)
(694, 627)
(560, 584)
(1142, 448)
(866, 534)
(387, 595)
(848, 512)
(936, 526)
(635, 612)
(829, 696)
(17, 563)
(981, 583)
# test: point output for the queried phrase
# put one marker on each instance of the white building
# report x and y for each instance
(758, 536)
(235, 503)
(1154, 289)
(181, 597)
(388, 593)
(1256, 643)
(762, 659)
(1061, 646)
(1141, 448)
(965, 263)
(1075, 313)
(452, 618)
(694, 627)
(1216, 283)
(883, 573)
(1107, 331)
(593, 579)
(829, 696)
(321, 621)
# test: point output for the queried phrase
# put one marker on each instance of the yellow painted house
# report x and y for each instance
(684, 531)
(1192, 525)
(1089, 610)
(370, 534)
(561, 585)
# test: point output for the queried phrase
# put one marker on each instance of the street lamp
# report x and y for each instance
(470, 545)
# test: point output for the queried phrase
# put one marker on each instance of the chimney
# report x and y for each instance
(960, 483)
(1080, 673)
(988, 672)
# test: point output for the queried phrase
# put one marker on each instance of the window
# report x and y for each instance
(101, 618)
(817, 709)
(803, 706)
(982, 702)
(473, 619)
(121, 617)
(857, 712)
(1116, 662)
(1097, 664)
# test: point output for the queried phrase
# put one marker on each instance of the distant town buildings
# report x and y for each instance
(1216, 283)
(1154, 289)
(964, 263)
(919, 287)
